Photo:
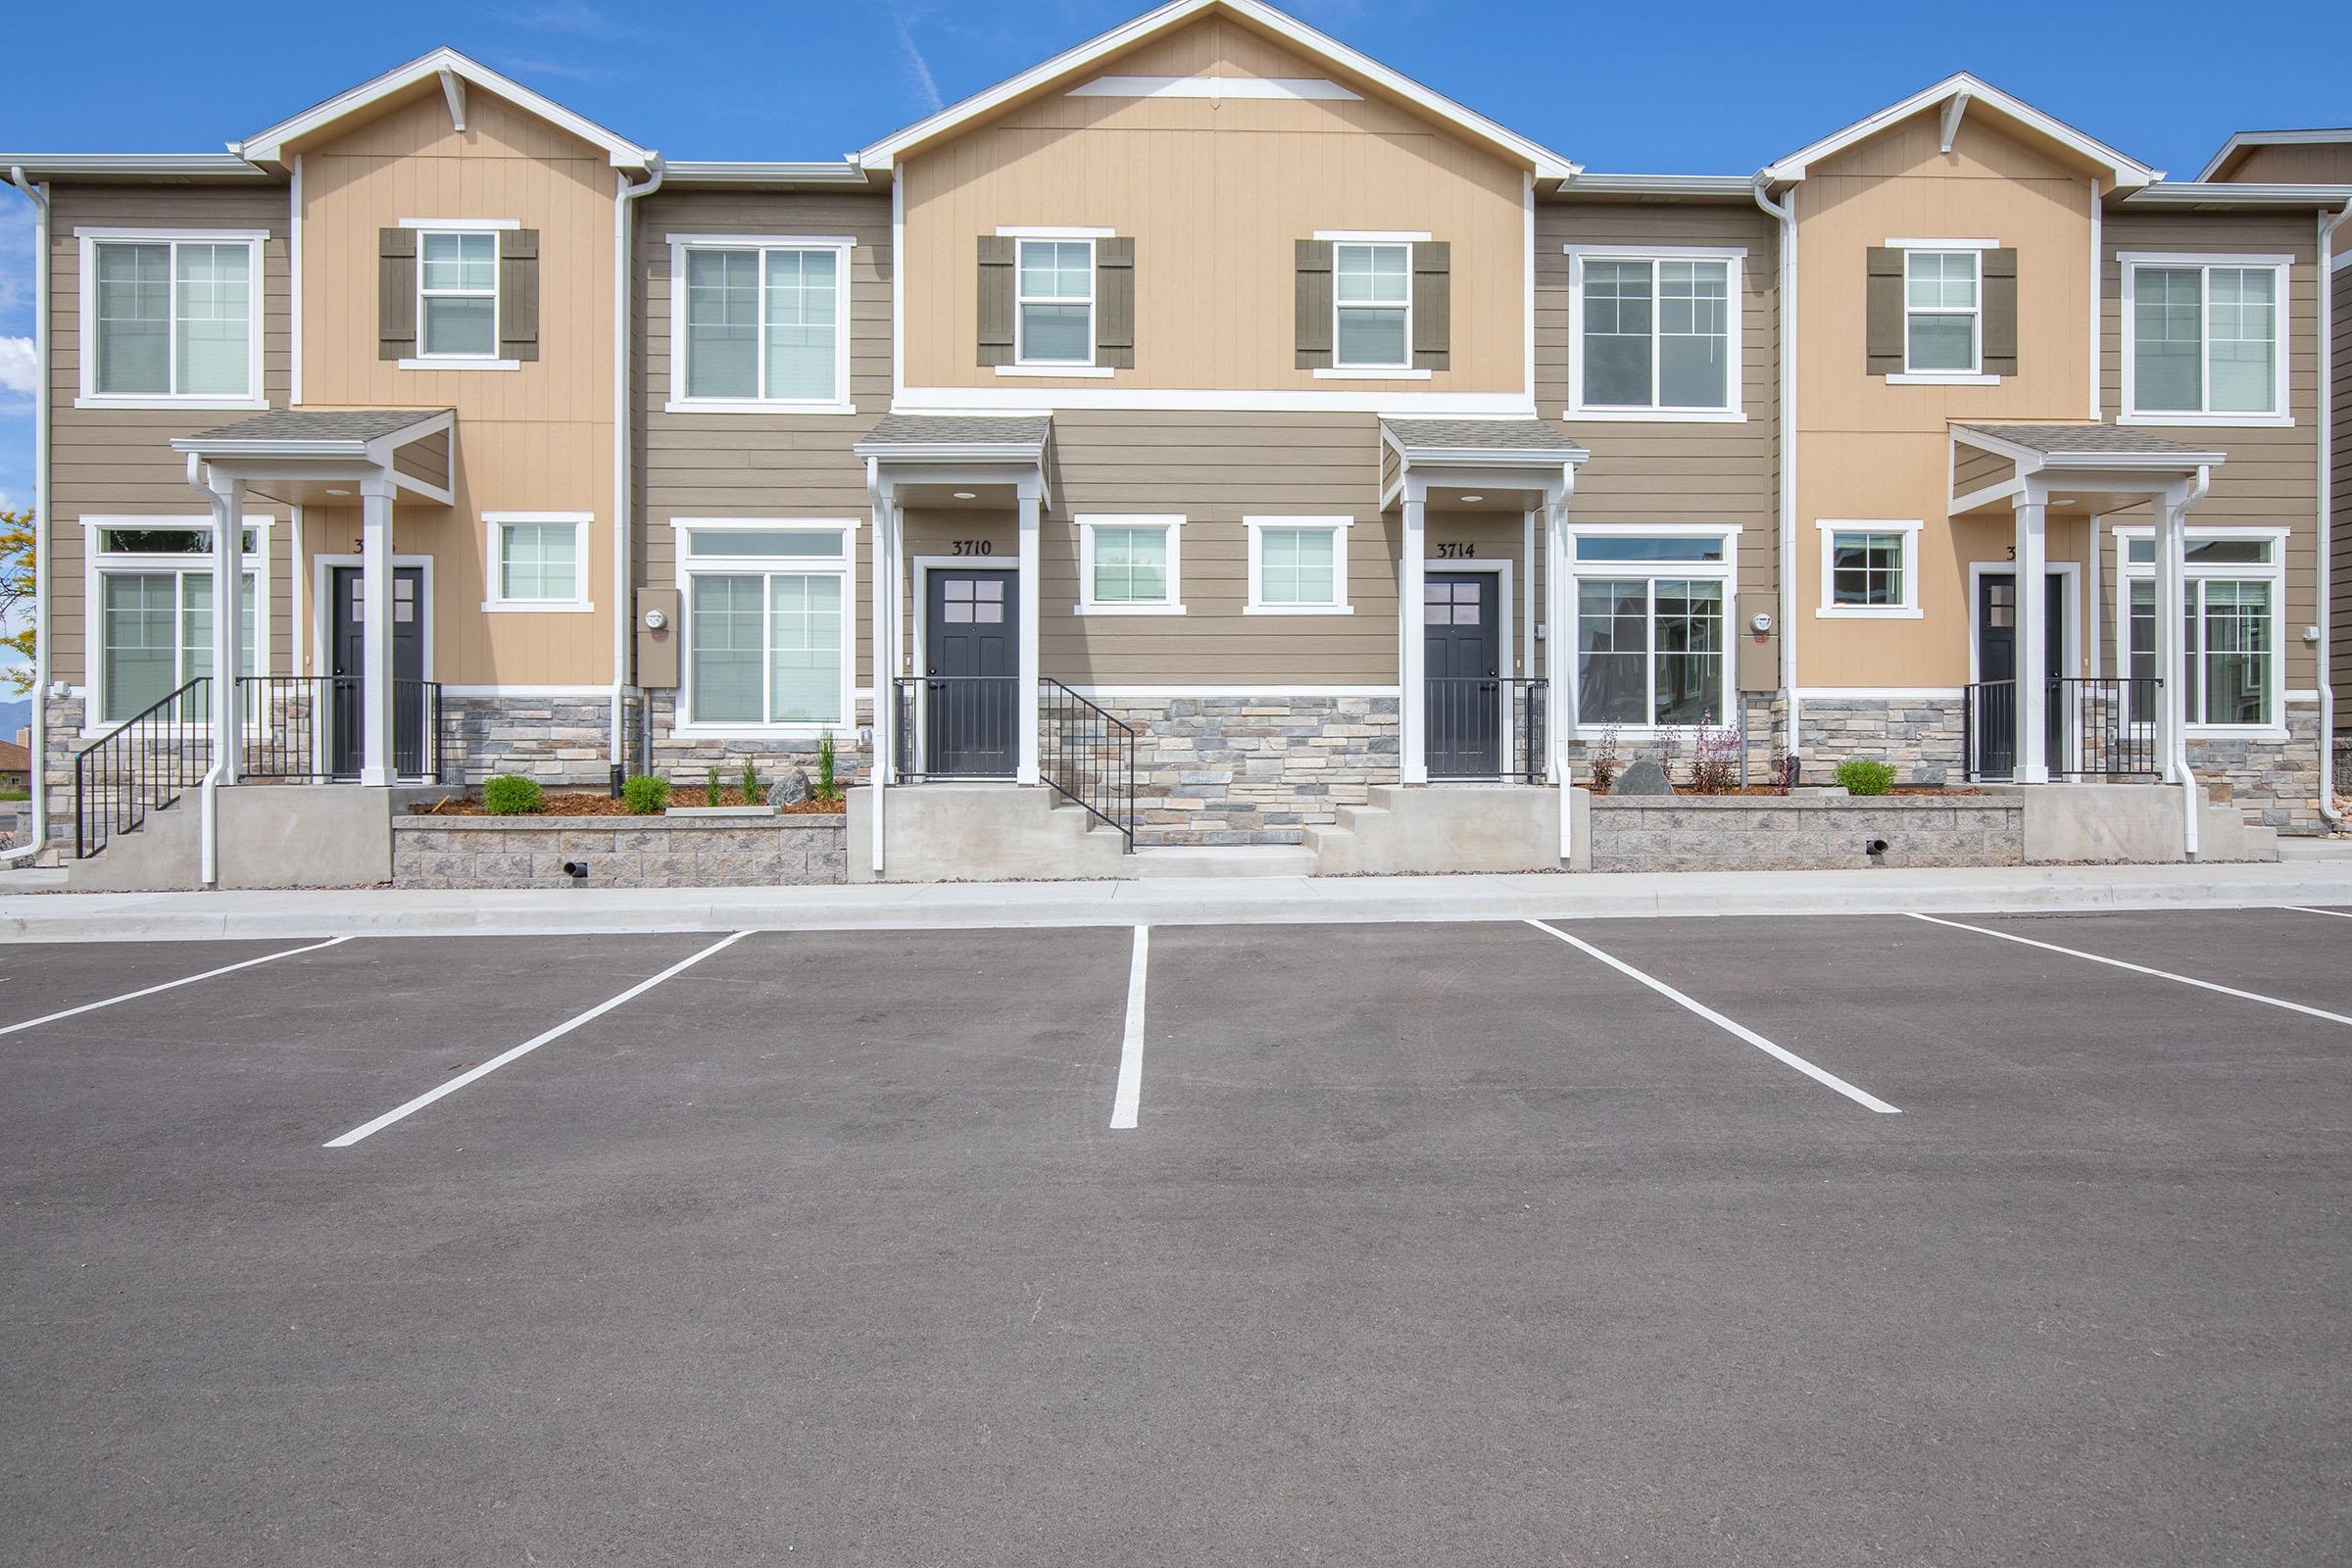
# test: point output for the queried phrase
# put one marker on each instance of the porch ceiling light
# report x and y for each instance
(334, 492)
(1474, 499)
(968, 494)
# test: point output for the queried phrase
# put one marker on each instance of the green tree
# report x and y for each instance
(15, 592)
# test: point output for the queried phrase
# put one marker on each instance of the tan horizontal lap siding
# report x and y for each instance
(2272, 476)
(707, 465)
(119, 460)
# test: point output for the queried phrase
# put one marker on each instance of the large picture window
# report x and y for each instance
(2204, 339)
(1655, 333)
(152, 583)
(171, 317)
(2229, 615)
(762, 322)
(1651, 640)
(768, 624)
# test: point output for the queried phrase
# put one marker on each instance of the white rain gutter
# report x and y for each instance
(38, 194)
(1785, 211)
(2326, 423)
(625, 614)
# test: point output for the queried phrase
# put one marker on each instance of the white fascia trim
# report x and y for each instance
(468, 225)
(1375, 236)
(1213, 88)
(1943, 245)
(2271, 138)
(269, 146)
(2126, 172)
(1047, 231)
(1050, 399)
(1371, 372)
(1546, 164)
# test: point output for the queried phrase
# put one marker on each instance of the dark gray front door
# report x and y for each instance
(407, 669)
(1462, 647)
(1996, 662)
(971, 667)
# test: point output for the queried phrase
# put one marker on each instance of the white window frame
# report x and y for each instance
(1974, 375)
(2273, 573)
(498, 304)
(494, 531)
(95, 720)
(1088, 603)
(1257, 604)
(2131, 262)
(1021, 347)
(842, 245)
(1725, 572)
(88, 395)
(1345, 369)
(1733, 256)
(690, 567)
(1831, 527)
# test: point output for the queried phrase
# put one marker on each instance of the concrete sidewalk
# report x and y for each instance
(186, 916)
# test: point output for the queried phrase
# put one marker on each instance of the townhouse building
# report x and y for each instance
(1210, 428)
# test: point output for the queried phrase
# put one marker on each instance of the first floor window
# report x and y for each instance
(156, 635)
(1651, 644)
(172, 318)
(762, 322)
(2228, 628)
(1869, 567)
(457, 285)
(1128, 564)
(2205, 339)
(767, 626)
(539, 560)
(1297, 565)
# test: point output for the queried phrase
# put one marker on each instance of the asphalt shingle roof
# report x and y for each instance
(1480, 435)
(2054, 439)
(958, 429)
(341, 425)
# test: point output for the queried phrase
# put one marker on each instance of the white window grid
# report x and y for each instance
(1090, 526)
(758, 247)
(708, 564)
(498, 526)
(425, 294)
(1946, 296)
(89, 394)
(1023, 299)
(1569, 664)
(1337, 527)
(101, 563)
(2135, 267)
(1370, 251)
(2271, 572)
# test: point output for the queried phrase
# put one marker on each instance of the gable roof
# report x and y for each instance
(456, 71)
(2126, 172)
(2248, 140)
(1546, 164)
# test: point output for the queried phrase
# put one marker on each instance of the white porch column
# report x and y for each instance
(1032, 638)
(2032, 643)
(1413, 616)
(375, 631)
(229, 619)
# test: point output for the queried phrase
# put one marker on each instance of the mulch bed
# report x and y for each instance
(584, 804)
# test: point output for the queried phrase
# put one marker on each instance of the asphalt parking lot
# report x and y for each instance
(1744, 1241)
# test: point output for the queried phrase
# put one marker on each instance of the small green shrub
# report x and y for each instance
(645, 794)
(752, 795)
(710, 786)
(826, 789)
(1863, 777)
(511, 795)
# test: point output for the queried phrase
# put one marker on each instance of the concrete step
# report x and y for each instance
(1224, 861)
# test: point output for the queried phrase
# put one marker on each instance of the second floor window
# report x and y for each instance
(1372, 296)
(1656, 333)
(762, 324)
(2205, 340)
(172, 318)
(457, 295)
(1056, 318)
(1941, 300)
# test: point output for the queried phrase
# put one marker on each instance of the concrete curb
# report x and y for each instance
(199, 916)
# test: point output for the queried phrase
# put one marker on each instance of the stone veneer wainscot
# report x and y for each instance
(1254, 769)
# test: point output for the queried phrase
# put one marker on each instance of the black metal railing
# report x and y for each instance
(1088, 755)
(956, 726)
(2093, 728)
(142, 765)
(1485, 728)
(306, 728)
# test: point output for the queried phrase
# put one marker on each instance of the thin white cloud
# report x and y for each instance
(573, 17)
(926, 88)
(563, 71)
(19, 372)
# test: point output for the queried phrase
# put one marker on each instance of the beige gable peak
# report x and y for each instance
(1958, 95)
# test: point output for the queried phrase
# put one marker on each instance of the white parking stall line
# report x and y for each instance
(2301, 908)
(171, 985)
(528, 1045)
(1128, 1100)
(1859, 1096)
(2138, 968)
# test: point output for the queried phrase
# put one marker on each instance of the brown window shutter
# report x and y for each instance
(1433, 304)
(1883, 299)
(1114, 302)
(996, 299)
(1314, 304)
(518, 293)
(396, 294)
(2000, 313)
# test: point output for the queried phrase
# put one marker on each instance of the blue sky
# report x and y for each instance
(1689, 87)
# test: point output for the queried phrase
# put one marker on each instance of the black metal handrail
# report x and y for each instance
(1486, 727)
(1088, 755)
(956, 726)
(1987, 729)
(416, 729)
(306, 728)
(2101, 727)
(143, 763)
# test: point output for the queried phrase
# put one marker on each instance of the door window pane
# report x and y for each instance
(135, 319)
(2237, 652)
(726, 618)
(805, 650)
(1688, 621)
(1612, 628)
(722, 324)
(140, 641)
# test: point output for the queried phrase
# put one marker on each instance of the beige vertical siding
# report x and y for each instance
(119, 460)
(1215, 194)
(533, 439)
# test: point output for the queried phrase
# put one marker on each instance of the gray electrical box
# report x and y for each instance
(657, 646)
(1759, 654)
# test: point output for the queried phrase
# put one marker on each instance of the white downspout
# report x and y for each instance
(1785, 211)
(2175, 541)
(208, 809)
(625, 614)
(2326, 423)
(38, 195)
